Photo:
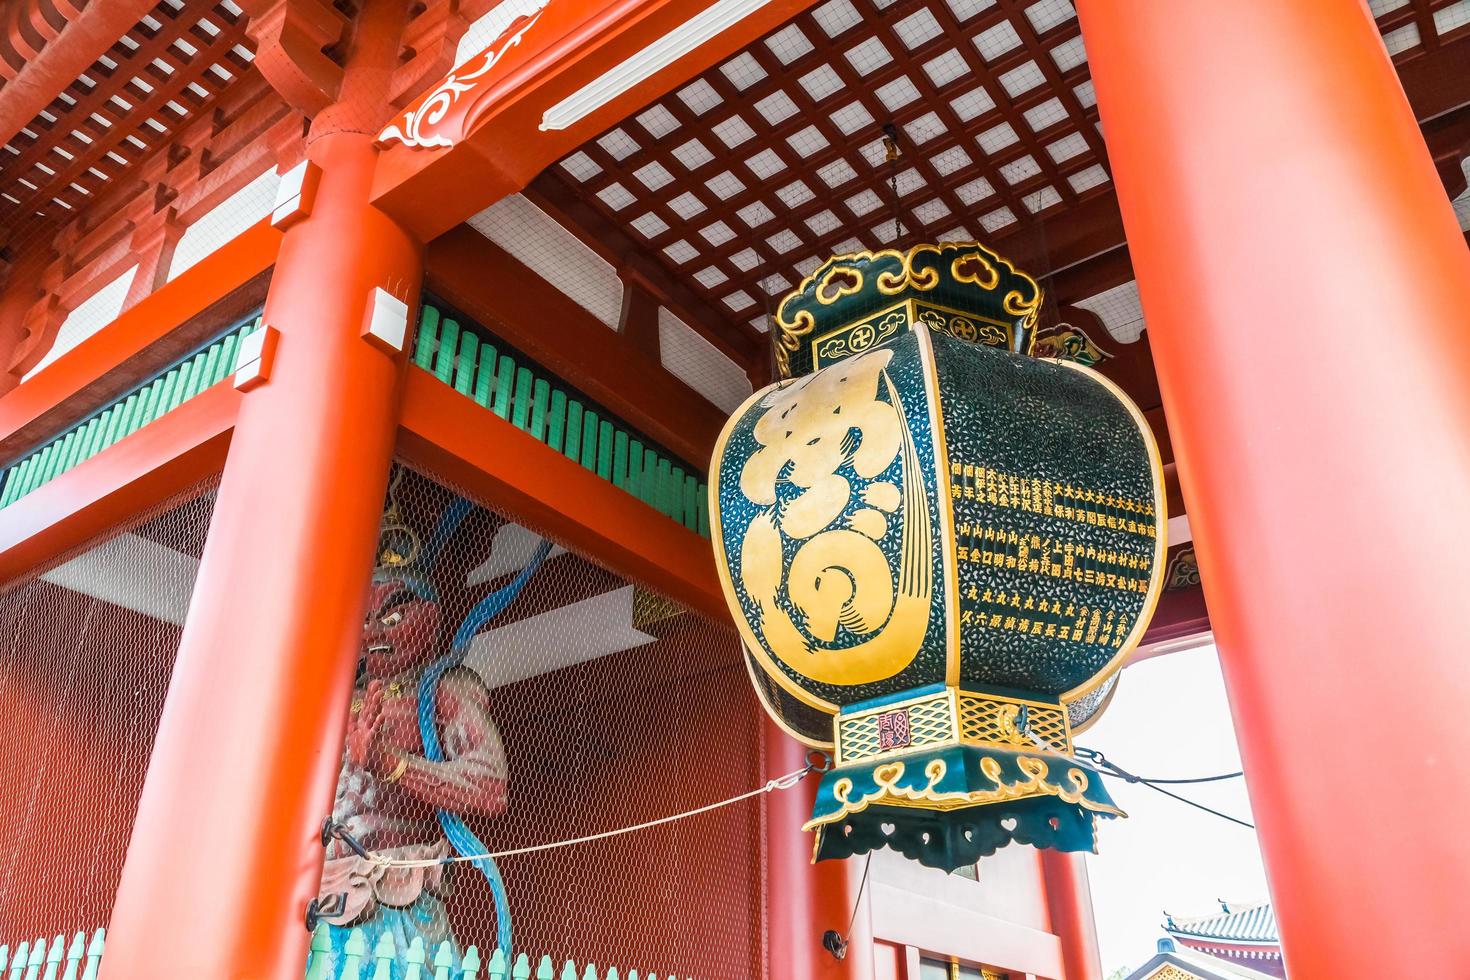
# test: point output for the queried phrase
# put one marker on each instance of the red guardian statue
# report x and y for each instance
(389, 795)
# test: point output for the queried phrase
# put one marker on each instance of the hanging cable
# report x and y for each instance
(1101, 765)
(1098, 759)
(891, 154)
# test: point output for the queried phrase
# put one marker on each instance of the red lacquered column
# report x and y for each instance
(224, 856)
(1307, 293)
(1069, 903)
(804, 900)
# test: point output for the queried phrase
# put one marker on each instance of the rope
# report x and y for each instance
(779, 783)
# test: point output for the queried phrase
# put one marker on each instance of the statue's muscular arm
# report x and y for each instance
(472, 778)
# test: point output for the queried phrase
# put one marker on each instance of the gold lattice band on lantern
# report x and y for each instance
(948, 717)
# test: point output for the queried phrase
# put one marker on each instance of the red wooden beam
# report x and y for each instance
(499, 144)
(159, 329)
(487, 283)
(456, 440)
(104, 493)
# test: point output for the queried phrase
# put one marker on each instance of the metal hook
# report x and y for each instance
(332, 830)
(317, 910)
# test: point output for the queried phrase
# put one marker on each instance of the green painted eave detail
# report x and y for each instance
(142, 406)
(467, 357)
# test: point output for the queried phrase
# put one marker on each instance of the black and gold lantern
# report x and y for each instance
(939, 551)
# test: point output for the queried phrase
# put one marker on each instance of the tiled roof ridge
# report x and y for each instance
(1235, 923)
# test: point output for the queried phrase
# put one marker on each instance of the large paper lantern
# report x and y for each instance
(939, 552)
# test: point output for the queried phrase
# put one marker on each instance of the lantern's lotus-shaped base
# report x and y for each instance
(951, 806)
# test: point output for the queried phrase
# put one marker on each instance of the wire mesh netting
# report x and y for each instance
(513, 694)
(86, 652)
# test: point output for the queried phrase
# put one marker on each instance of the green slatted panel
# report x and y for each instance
(464, 364)
(620, 460)
(428, 339)
(43, 466)
(520, 415)
(556, 420)
(92, 435)
(505, 375)
(14, 477)
(108, 422)
(541, 395)
(635, 468)
(131, 408)
(147, 406)
(182, 385)
(33, 474)
(573, 447)
(605, 450)
(57, 459)
(665, 480)
(114, 418)
(12, 481)
(209, 377)
(227, 357)
(166, 398)
(485, 376)
(649, 494)
(676, 495)
(56, 465)
(444, 356)
(589, 439)
(691, 503)
(43, 463)
(535, 404)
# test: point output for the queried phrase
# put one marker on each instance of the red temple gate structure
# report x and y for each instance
(266, 264)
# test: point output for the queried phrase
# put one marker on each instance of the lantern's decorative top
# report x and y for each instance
(856, 301)
(939, 551)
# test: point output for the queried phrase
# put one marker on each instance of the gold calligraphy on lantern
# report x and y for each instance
(830, 437)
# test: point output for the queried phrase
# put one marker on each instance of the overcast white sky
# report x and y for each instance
(1170, 719)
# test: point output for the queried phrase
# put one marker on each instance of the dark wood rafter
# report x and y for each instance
(801, 227)
(1066, 229)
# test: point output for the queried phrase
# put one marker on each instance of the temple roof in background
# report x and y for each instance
(1234, 923)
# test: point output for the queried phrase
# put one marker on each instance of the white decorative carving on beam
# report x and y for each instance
(416, 127)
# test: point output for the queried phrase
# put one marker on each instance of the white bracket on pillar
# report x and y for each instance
(386, 325)
(295, 194)
(255, 357)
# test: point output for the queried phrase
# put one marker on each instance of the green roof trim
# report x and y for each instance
(147, 403)
(468, 358)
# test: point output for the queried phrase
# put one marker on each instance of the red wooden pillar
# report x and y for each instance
(1308, 296)
(804, 900)
(224, 855)
(1069, 903)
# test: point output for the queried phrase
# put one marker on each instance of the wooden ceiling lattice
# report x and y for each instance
(156, 78)
(743, 181)
(746, 179)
